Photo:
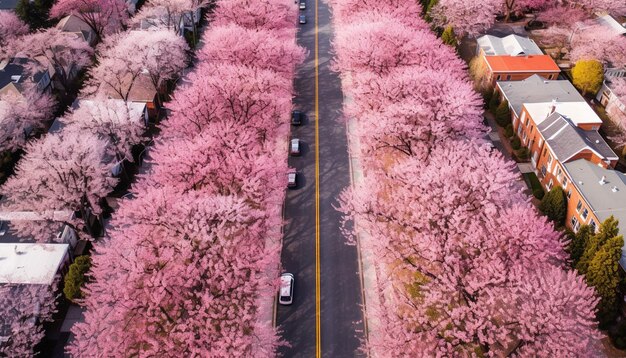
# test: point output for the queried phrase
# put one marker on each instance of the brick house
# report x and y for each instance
(593, 195)
(516, 68)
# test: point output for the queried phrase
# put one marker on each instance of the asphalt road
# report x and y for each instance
(340, 305)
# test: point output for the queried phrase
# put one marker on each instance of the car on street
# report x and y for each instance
(296, 118)
(302, 19)
(285, 296)
(294, 147)
(292, 179)
(302, 5)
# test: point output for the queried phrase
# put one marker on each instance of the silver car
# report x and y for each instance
(285, 295)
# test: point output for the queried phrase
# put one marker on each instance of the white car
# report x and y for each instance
(285, 295)
(291, 179)
(294, 148)
(302, 5)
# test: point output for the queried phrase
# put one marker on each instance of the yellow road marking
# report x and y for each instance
(318, 344)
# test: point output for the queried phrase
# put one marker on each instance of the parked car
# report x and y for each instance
(302, 19)
(285, 296)
(302, 5)
(296, 118)
(294, 147)
(292, 179)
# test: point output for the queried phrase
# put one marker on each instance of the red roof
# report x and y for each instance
(535, 63)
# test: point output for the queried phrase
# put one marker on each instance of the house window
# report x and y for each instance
(558, 172)
(584, 214)
(564, 182)
(545, 150)
(523, 117)
(574, 223)
(531, 129)
(550, 184)
(543, 170)
(549, 77)
(579, 206)
(498, 78)
(549, 159)
(593, 225)
(569, 194)
(524, 138)
(527, 121)
(508, 77)
(519, 131)
(540, 142)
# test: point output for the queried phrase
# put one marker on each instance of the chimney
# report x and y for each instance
(614, 189)
(602, 180)
(553, 106)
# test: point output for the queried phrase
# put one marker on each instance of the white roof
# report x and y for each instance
(285, 285)
(577, 112)
(512, 45)
(135, 109)
(609, 22)
(33, 216)
(24, 263)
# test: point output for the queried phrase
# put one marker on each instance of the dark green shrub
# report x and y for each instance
(618, 335)
(493, 103)
(75, 278)
(554, 205)
(508, 131)
(523, 153)
(503, 114)
(515, 143)
(538, 193)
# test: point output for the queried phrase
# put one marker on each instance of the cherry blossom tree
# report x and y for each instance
(349, 11)
(562, 16)
(229, 164)
(58, 173)
(275, 15)
(170, 14)
(102, 16)
(231, 93)
(22, 116)
(599, 43)
(382, 46)
(259, 48)
(409, 110)
(160, 54)
(51, 48)
(23, 308)
(465, 16)
(11, 27)
(188, 274)
(518, 6)
(616, 7)
(115, 122)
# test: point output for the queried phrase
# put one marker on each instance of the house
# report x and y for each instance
(15, 79)
(8, 5)
(142, 91)
(594, 194)
(75, 25)
(615, 107)
(536, 89)
(512, 45)
(516, 68)
(33, 263)
(610, 23)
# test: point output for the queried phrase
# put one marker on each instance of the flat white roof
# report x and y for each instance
(577, 112)
(25, 263)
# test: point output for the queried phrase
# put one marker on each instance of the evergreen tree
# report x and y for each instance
(608, 230)
(554, 205)
(34, 13)
(493, 103)
(75, 278)
(503, 114)
(578, 242)
(603, 275)
(448, 37)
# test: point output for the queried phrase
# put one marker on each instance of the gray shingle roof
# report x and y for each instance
(603, 199)
(536, 89)
(8, 4)
(566, 140)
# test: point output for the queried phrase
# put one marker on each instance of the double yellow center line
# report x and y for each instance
(318, 339)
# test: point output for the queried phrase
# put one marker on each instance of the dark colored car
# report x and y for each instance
(296, 118)
(302, 19)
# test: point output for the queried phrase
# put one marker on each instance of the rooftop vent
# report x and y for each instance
(16, 78)
(597, 141)
(602, 180)
(614, 189)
